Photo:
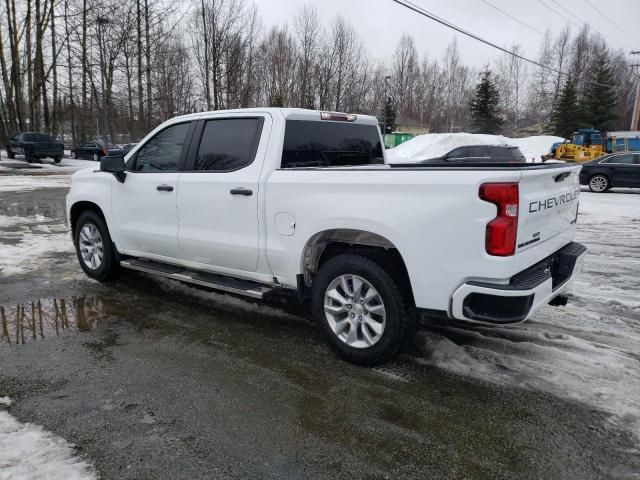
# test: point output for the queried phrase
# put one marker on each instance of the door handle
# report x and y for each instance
(241, 191)
(164, 188)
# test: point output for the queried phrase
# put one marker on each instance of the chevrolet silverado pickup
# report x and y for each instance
(261, 202)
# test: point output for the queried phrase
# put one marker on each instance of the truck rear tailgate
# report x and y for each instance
(547, 213)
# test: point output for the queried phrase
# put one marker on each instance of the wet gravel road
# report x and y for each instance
(154, 380)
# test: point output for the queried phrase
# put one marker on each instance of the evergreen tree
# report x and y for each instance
(484, 106)
(389, 116)
(600, 100)
(566, 114)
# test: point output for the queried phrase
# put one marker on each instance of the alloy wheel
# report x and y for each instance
(91, 247)
(355, 311)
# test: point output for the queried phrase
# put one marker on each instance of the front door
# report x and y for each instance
(144, 205)
(218, 192)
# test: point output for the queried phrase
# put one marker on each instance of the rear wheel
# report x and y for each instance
(361, 311)
(599, 183)
(94, 247)
(57, 159)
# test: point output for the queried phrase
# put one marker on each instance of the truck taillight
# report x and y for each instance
(502, 230)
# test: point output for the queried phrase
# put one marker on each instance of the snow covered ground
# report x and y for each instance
(15, 183)
(588, 351)
(434, 145)
(28, 452)
(67, 165)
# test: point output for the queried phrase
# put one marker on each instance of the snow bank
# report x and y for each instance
(434, 145)
(5, 401)
(28, 452)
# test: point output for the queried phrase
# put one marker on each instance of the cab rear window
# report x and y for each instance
(330, 144)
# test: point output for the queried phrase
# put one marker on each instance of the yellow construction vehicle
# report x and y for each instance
(587, 144)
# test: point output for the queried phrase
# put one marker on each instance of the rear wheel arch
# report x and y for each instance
(325, 245)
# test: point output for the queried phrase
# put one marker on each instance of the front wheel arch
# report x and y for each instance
(79, 208)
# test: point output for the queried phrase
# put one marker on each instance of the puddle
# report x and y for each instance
(47, 318)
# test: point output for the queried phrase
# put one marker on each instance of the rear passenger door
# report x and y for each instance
(218, 192)
(623, 170)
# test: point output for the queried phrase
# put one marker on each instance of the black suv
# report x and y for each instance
(614, 170)
(479, 154)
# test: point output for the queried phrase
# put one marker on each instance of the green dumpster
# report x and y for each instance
(396, 138)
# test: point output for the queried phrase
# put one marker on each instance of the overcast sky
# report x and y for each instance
(381, 22)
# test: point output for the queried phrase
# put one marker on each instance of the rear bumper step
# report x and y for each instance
(516, 300)
(222, 283)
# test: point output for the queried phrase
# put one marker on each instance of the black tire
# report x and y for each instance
(599, 183)
(10, 153)
(400, 322)
(57, 159)
(28, 157)
(109, 265)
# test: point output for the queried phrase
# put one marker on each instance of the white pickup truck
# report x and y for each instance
(260, 201)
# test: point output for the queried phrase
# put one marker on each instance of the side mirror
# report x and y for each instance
(114, 164)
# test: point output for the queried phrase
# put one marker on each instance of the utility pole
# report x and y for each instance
(105, 123)
(384, 122)
(635, 119)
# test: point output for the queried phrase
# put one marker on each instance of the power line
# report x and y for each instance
(514, 18)
(425, 13)
(588, 24)
(559, 14)
(612, 22)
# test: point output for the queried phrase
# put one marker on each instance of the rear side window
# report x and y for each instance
(228, 144)
(330, 144)
(506, 153)
(623, 159)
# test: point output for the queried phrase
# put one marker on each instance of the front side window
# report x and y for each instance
(310, 143)
(162, 153)
(623, 159)
(228, 144)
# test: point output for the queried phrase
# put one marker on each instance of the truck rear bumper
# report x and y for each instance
(515, 301)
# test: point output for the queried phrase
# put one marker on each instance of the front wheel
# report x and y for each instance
(361, 311)
(57, 159)
(599, 183)
(94, 247)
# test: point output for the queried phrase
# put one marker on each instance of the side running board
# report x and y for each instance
(223, 283)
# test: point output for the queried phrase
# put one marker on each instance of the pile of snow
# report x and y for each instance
(27, 451)
(434, 145)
